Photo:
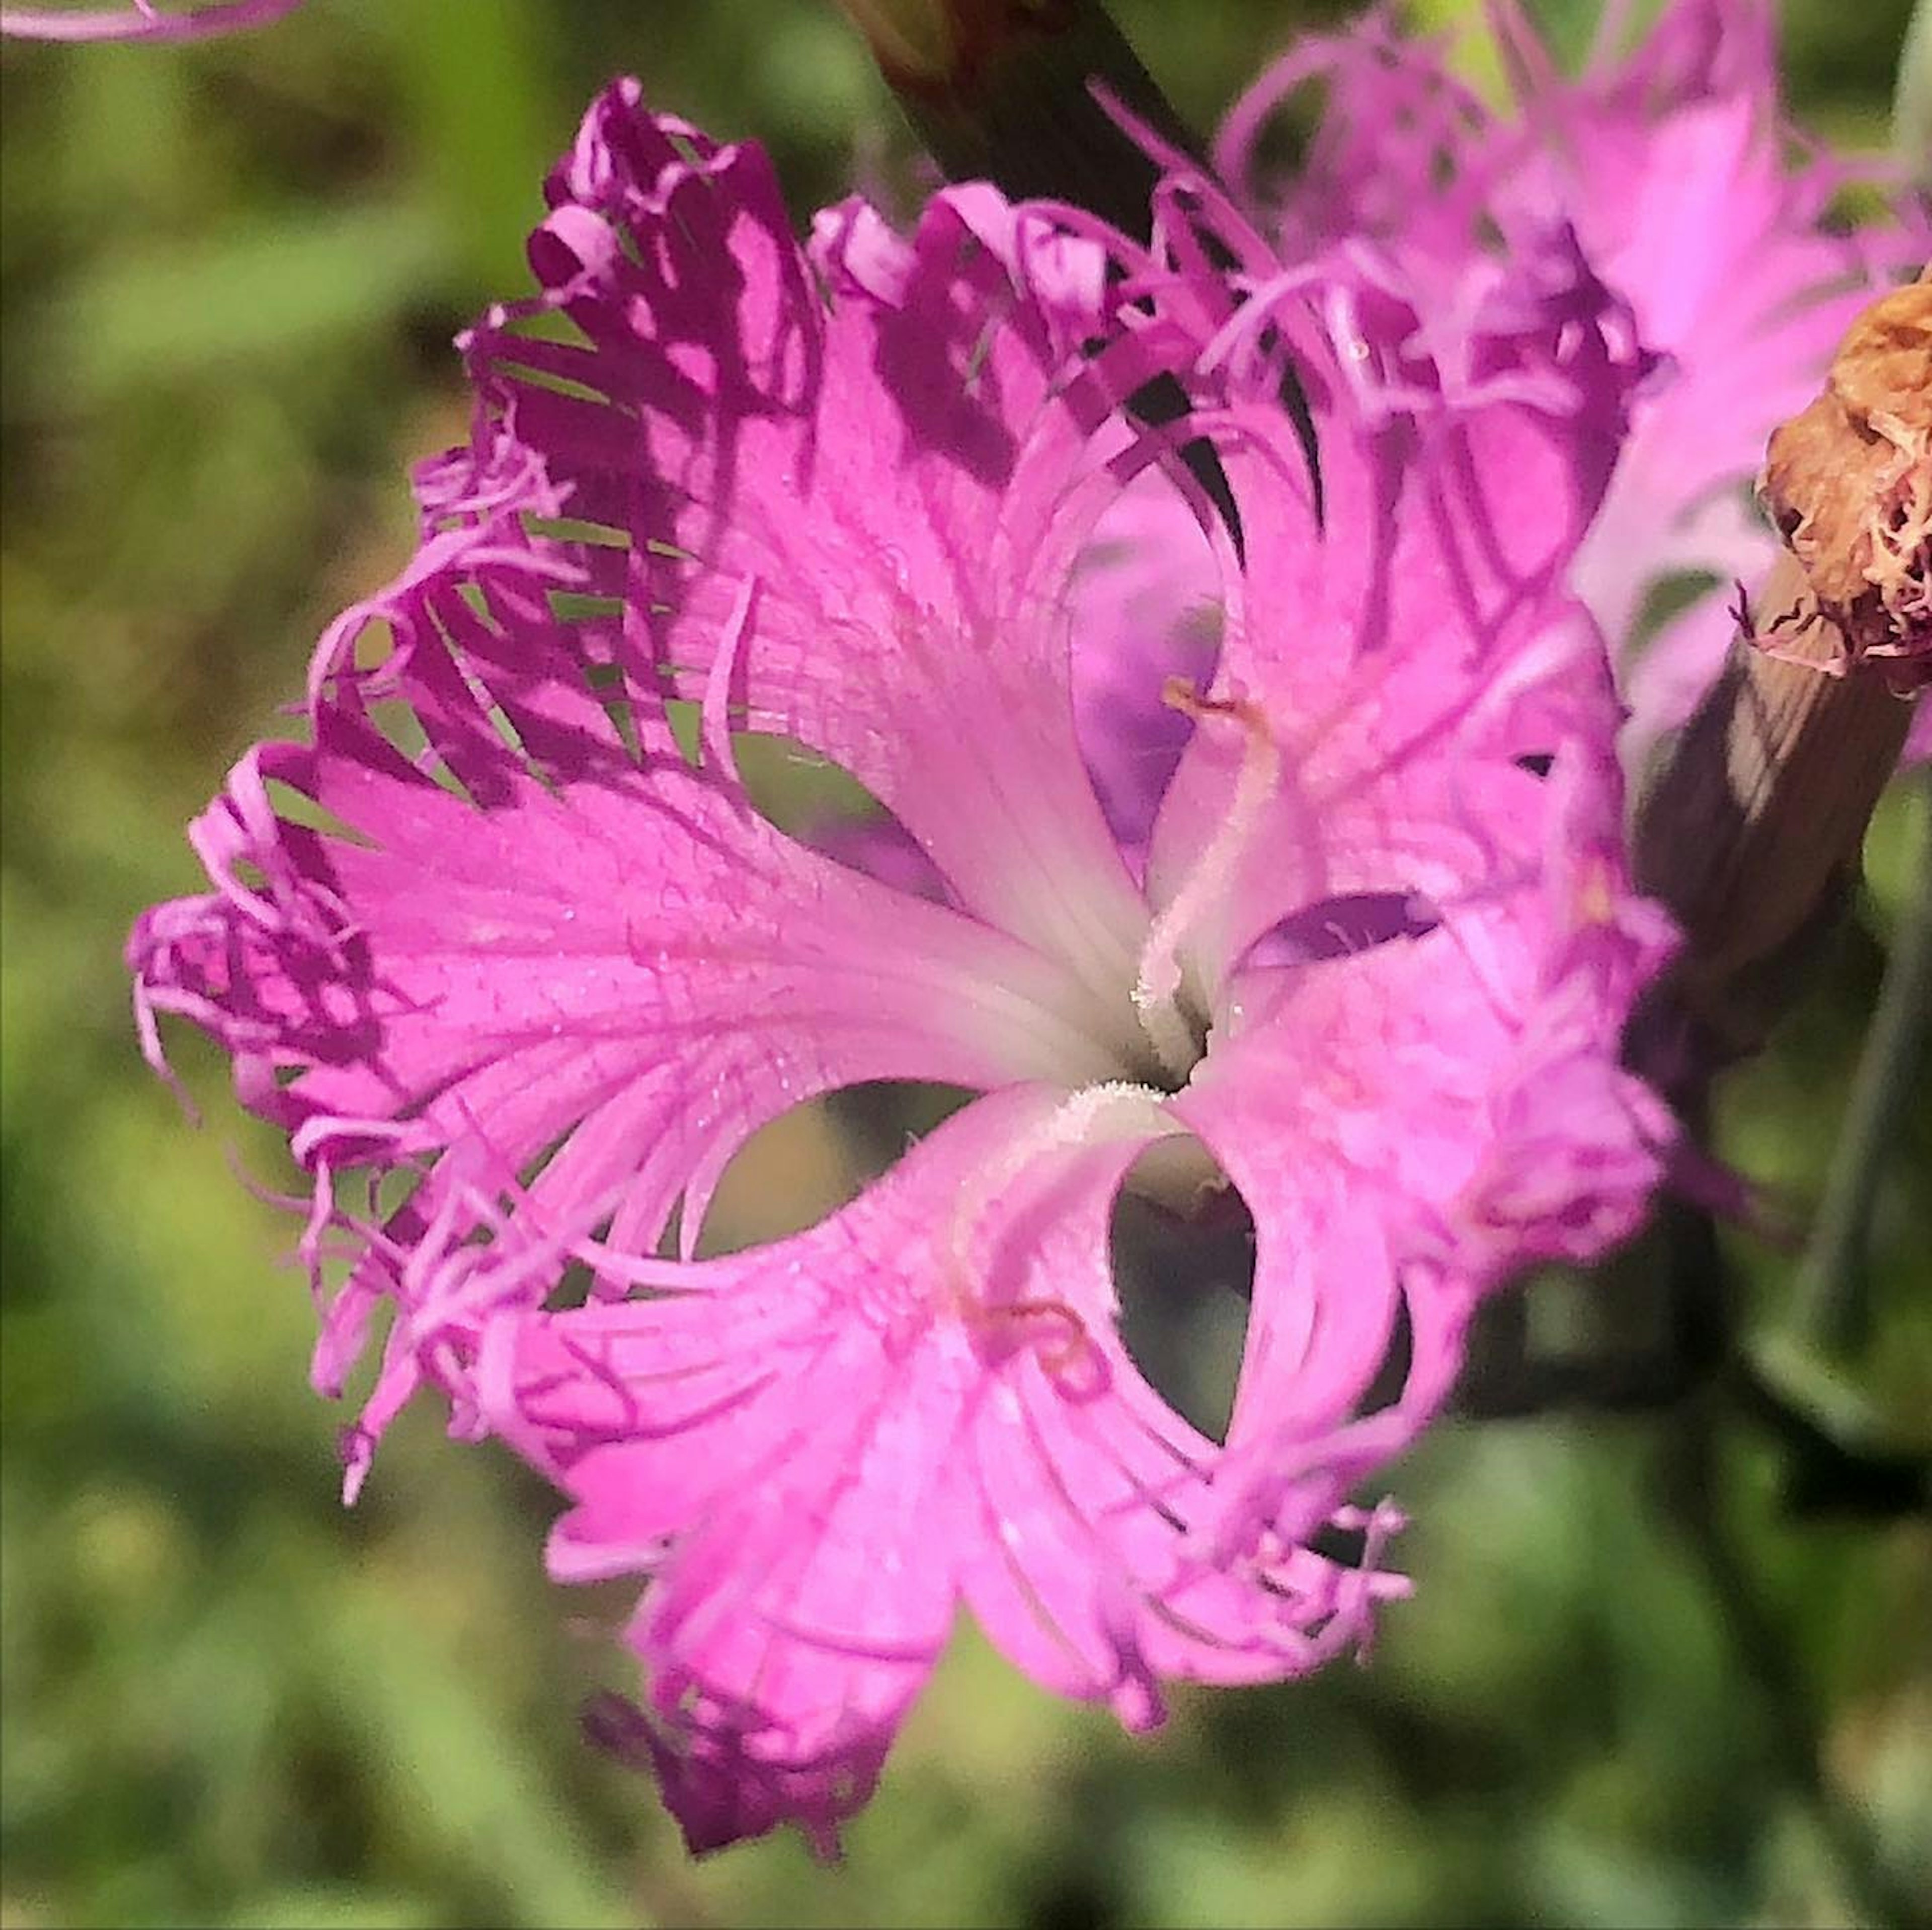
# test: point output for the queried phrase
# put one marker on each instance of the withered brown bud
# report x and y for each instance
(1750, 830)
(1849, 483)
(1762, 805)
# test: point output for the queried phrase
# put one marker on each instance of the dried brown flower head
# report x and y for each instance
(1849, 482)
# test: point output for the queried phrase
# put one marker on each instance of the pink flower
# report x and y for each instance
(1673, 168)
(500, 950)
(143, 21)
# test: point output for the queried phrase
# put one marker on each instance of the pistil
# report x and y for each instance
(1172, 1022)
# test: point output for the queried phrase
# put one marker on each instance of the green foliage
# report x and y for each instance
(230, 275)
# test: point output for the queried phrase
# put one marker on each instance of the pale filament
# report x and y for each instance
(1157, 987)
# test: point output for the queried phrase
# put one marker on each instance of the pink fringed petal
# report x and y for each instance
(1670, 167)
(1437, 1064)
(560, 952)
(1419, 1120)
(857, 472)
(815, 1450)
(1400, 650)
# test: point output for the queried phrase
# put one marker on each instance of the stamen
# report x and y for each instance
(1062, 1343)
(1157, 1002)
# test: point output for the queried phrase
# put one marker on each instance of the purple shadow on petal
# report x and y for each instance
(1339, 927)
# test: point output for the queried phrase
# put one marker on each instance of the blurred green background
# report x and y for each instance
(230, 276)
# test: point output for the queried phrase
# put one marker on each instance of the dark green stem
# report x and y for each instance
(1829, 1294)
(1691, 1480)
